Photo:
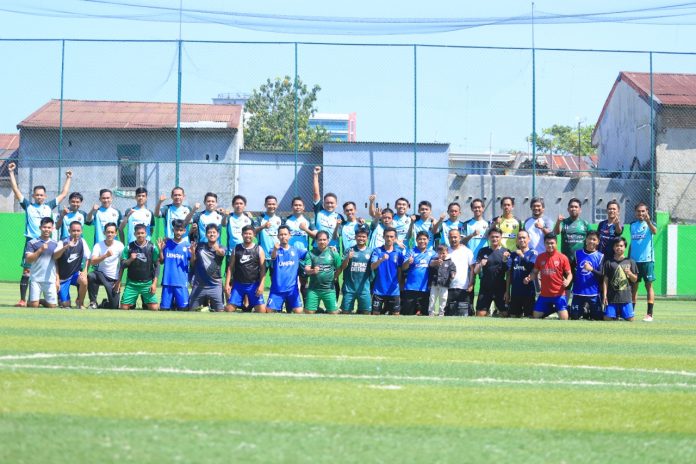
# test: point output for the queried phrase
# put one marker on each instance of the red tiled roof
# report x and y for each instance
(570, 162)
(86, 114)
(9, 141)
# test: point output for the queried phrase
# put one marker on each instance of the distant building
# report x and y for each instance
(622, 136)
(340, 126)
(479, 163)
(9, 151)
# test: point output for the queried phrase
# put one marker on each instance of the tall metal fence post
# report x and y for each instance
(415, 123)
(297, 123)
(60, 128)
(178, 116)
(534, 134)
(652, 142)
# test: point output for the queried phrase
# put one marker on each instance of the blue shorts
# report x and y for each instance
(64, 292)
(588, 307)
(550, 304)
(179, 295)
(625, 310)
(292, 300)
(239, 291)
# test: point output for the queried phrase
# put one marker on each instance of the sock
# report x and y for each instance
(23, 286)
(650, 308)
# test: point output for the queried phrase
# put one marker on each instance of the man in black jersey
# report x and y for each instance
(142, 262)
(70, 270)
(492, 264)
(206, 262)
(246, 274)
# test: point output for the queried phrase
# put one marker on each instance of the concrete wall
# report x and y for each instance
(556, 191)
(92, 155)
(676, 165)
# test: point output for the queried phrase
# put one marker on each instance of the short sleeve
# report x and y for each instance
(302, 253)
(196, 217)
(24, 203)
(337, 259)
(163, 211)
(375, 255)
(86, 251)
(317, 207)
(152, 218)
(52, 204)
(480, 254)
(400, 259)
(31, 247)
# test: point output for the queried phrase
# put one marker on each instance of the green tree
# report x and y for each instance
(559, 139)
(271, 122)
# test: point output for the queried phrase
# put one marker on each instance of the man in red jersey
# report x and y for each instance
(554, 269)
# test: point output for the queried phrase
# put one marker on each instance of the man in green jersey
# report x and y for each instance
(321, 265)
(357, 275)
(574, 230)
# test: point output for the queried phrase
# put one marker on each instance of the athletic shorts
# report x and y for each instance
(239, 291)
(586, 307)
(550, 304)
(622, 310)
(134, 289)
(200, 295)
(349, 298)
(458, 302)
(291, 299)
(484, 300)
(48, 289)
(521, 306)
(314, 296)
(177, 295)
(64, 293)
(24, 263)
(414, 302)
(646, 272)
(386, 304)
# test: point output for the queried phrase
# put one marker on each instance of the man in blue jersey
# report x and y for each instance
(101, 215)
(73, 263)
(642, 251)
(35, 210)
(348, 226)
(386, 262)
(610, 228)
(357, 275)
(70, 215)
(138, 214)
(587, 281)
(206, 259)
(521, 293)
(447, 222)
(237, 221)
(175, 255)
(298, 225)
(422, 223)
(325, 216)
(285, 260)
(211, 215)
(402, 221)
(538, 225)
(416, 292)
(266, 227)
(175, 210)
(475, 230)
(381, 222)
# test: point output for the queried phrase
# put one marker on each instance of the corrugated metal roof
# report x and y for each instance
(668, 89)
(90, 114)
(9, 143)
(571, 162)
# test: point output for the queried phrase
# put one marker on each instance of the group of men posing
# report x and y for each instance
(395, 264)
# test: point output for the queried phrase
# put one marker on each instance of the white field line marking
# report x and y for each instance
(581, 366)
(339, 357)
(386, 387)
(319, 375)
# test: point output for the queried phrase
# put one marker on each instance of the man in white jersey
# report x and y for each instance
(325, 215)
(70, 215)
(537, 226)
(106, 259)
(175, 210)
(236, 221)
(475, 230)
(101, 215)
(138, 214)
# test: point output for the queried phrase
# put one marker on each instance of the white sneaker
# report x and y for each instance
(647, 318)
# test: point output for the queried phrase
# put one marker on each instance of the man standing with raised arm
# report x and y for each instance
(325, 217)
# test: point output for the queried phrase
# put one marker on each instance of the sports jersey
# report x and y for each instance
(619, 288)
(376, 234)
(208, 267)
(445, 228)
(479, 240)
(347, 236)
(269, 237)
(202, 219)
(641, 249)
(607, 235)
(72, 258)
(176, 263)
(44, 268)
(357, 276)
(101, 218)
(586, 283)
(417, 275)
(109, 266)
(145, 266)
(521, 267)
(424, 225)
(574, 233)
(235, 224)
(387, 274)
(326, 221)
(327, 262)
(34, 214)
(298, 237)
(493, 274)
(247, 264)
(536, 235)
(509, 227)
(401, 224)
(68, 219)
(552, 268)
(139, 215)
(170, 213)
(285, 267)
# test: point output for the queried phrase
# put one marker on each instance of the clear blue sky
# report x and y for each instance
(472, 99)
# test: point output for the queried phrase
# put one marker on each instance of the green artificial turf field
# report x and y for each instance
(116, 386)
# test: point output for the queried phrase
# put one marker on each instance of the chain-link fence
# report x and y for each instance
(424, 122)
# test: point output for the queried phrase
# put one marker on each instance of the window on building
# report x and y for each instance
(128, 164)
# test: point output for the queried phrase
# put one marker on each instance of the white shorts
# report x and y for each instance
(48, 289)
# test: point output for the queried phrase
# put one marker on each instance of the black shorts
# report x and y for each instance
(414, 302)
(386, 304)
(521, 306)
(458, 302)
(484, 300)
